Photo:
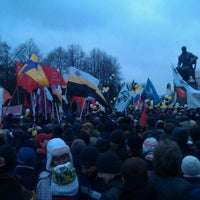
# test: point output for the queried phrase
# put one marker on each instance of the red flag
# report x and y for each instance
(32, 75)
(54, 77)
(143, 116)
(180, 92)
(80, 100)
(26, 102)
(27, 80)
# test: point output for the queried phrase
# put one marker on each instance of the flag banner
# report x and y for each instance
(81, 76)
(151, 93)
(185, 91)
(25, 81)
(27, 100)
(15, 110)
(44, 105)
(137, 101)
(48, 94)
(80, 100)
(123, 99)
(6, 95)
(56, 93)
(83, 84)
(53, 76)
(33, 75)
(143, 119)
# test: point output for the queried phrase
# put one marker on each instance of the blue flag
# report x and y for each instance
(151, 93)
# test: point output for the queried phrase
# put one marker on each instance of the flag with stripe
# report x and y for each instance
(185, 91)
(83, 84)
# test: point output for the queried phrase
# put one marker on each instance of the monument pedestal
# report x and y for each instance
(193, 84)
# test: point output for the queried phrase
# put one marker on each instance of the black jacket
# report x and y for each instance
(137, 188)
(113, 189)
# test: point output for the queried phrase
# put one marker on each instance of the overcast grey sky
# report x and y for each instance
(144, 35)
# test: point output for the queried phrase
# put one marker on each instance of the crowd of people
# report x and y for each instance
(102, 156)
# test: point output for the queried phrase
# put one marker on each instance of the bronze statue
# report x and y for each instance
(187, 64)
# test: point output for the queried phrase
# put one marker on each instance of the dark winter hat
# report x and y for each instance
(89, 156)
(84, 136)
(117, 137)
(109, 162)
(26, 155)
(10, 157)
(77, 146)
(102, 145)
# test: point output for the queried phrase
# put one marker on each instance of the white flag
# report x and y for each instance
(123, 99)
(193, 96)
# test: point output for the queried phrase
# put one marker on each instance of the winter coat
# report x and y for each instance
(90, 189)
(11, 189)
(173, 187)
(113, 189)
(137, 188)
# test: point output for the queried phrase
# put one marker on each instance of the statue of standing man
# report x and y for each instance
(187, 64)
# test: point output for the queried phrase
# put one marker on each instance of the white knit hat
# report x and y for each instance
(56, 147)
(190, 166)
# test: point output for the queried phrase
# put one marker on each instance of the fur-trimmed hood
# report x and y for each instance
(56, 147)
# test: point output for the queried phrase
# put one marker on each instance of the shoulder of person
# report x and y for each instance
(112, 193)
(44, 175)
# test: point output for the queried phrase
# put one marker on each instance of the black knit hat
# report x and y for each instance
(109, 162)
(89, 156)
(117, 137)
(10, 157)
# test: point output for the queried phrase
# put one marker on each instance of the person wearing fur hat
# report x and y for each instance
(109, 169)
(59, 181)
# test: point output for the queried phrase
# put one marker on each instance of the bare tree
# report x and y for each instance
(106, 68)
(58, 59)
(6, 66)
(76, 57)
(23, 52)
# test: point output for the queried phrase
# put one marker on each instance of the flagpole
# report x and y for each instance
(57, 113)
(82, 109)
(45, 105)
(52, 112)
(125, 112)
(33, 107)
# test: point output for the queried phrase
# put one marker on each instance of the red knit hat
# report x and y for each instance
(41, 137)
